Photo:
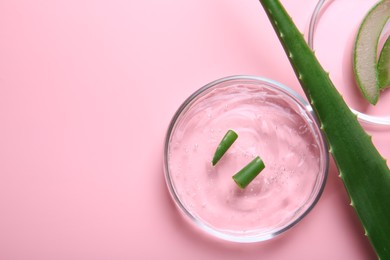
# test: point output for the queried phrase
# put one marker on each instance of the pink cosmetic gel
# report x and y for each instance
(272, 122)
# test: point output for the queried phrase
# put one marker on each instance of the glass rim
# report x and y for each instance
(318, 186)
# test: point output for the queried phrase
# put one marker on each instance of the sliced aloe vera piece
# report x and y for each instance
(365, 50)
(384, 66)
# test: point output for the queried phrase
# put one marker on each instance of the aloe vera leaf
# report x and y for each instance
(363, 170)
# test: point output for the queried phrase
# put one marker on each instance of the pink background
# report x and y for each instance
(87, 90)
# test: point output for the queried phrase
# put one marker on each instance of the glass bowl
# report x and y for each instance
(332, 31)
(271, 121)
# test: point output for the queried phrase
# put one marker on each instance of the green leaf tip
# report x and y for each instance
(247, 174)
(229, 138)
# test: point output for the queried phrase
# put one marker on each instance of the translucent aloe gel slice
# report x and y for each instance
(365, 50)
(384, 66)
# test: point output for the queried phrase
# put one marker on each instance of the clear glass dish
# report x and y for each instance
(271, 121)
(332, 31)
